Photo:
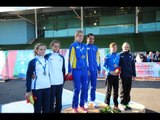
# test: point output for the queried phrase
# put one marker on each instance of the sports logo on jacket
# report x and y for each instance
(122, 56)
(88, 48)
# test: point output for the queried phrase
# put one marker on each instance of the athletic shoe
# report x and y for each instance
(84, 110)
(86, 105)
(95, 104)
(128, 107)
(75, 110)
(122, 107)
(117, 109)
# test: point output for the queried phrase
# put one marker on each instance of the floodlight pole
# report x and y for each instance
(136, 19)
(82, 24)
(35, 16)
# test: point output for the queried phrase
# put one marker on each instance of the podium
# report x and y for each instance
(136, 108)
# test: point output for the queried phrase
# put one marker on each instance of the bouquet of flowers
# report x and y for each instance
(117, 70)
(31, 99)
(68, 77)
(108, 109)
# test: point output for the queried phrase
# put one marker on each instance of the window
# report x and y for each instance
(73, 20)
(91, 17)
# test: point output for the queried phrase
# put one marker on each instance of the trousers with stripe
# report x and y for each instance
(80, 77)
(92, 81)
(56, 98)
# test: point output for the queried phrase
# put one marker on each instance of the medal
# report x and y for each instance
(44, 73)
(82, 56)
(81, 50)
(115, 65)
(44, 67)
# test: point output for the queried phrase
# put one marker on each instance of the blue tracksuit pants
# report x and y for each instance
(42, 102)
(92, 81)
(56, 98)
(80, 77)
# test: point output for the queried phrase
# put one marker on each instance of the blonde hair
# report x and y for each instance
(112, 44)
(36, 47)
(77, 33)
(125, 43)
(53, 42)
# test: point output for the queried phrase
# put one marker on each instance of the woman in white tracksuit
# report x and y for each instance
(37, 80)
(56, 72)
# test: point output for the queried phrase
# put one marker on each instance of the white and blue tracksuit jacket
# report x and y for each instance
(40, 81)
(56, 68)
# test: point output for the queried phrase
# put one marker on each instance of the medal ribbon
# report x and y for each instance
(80, 49)
(44, 67)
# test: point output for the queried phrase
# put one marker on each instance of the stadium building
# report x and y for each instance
(22, 29)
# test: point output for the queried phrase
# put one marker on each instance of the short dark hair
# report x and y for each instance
(90, 34)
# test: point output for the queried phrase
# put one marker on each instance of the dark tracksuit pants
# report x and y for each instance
(42, 101)
(80, 78)
(126, 83)
(112, 81)
(56, 98)
(92, 80)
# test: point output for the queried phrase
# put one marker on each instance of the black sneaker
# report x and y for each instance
(116, 109)
(128, 107)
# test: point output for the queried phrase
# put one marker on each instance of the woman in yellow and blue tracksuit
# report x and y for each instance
(77, 66)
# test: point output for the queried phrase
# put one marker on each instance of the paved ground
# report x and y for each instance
(143, 92)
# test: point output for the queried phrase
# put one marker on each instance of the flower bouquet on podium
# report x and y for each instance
(117, 70)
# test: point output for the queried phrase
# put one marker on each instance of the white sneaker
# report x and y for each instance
(86, 105)
(96, 105)
(122, 107)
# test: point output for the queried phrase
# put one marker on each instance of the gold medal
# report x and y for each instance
(115, 65)
(82, 56)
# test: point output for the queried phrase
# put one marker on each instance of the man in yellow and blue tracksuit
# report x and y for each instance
(94, 66)
(77, 66)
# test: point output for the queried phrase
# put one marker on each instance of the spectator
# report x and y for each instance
(150, 57)
(143, 58)
(138, 58)
(157, 57)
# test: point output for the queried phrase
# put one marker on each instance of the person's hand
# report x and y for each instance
(103, 72)
(69, 74)
(89, 73)
(133, 78)
(113, 73)
(99, 72)
(28, 94)
(33, 76)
